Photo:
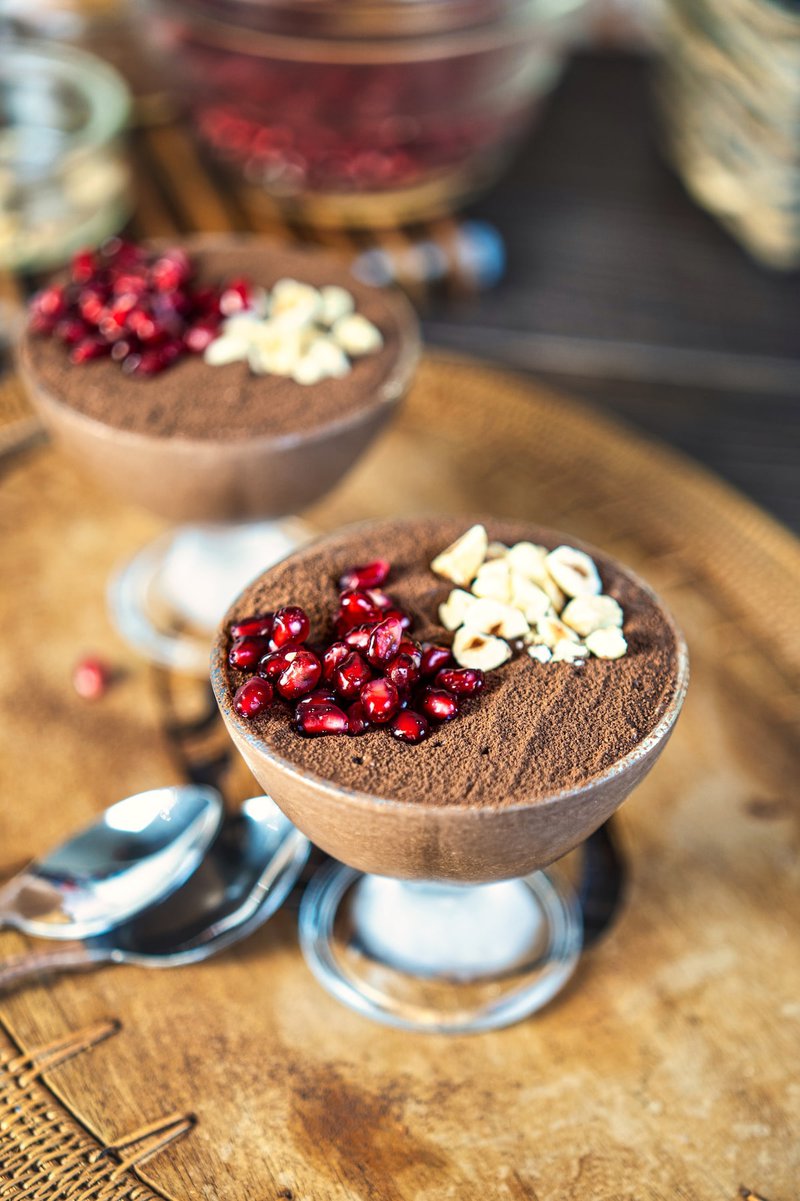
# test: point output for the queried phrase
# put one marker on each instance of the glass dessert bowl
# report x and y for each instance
(208, 442)
(363, 113)
(441, 914)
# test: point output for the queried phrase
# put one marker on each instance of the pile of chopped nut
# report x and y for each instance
(550, 602)
(307, 333)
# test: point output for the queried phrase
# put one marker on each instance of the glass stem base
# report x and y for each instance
(168, 599)
(441, 957)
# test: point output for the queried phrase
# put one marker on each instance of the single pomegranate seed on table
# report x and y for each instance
(384, 642)
(253, 696)
(439, 705)
(409, 726)
(333, 658)
(301, 674)
(91, 678)
(381, 700)
(434, 658)
(403, 672)
(247, 652)
(257, 626)
(369, 575)
(351, 676)
(316, 720)
(461, 681)
(357, 720)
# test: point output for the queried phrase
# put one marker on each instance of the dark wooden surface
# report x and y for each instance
(619, 289)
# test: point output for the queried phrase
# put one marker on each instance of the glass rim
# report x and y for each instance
(106, 93)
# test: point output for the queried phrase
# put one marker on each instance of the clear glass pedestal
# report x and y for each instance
(441, 957)
(168, 600)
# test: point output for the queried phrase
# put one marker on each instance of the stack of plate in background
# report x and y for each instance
(729, 92)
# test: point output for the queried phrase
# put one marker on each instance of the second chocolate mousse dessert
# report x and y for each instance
(401, 683)
(221, 378)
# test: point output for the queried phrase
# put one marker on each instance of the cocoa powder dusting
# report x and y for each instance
(536, 729)
(197, 401)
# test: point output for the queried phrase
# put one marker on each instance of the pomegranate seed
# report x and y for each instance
(290, 624)
(122, 348)
(334, 656)
(91, 678)
(131, 287)
(319, 698)
(355, 609)
(171, 270)
(247, 652)
(358, 638)
(381, 700)
(409, 726)
(50, 302)
(71, 330)
(141, 323)
(91, 305)
(403, 672)
(83, 266)
(357, 719)
(315, 720)
(89, 348)
(257, 626)
(236, 297)
(461, 681)
(384, 641)
(412, 649)
(370, 575)
(380, 599)
(404, 618)
(275, 663)
(301, 675)
(434, 658)
(351, 676)
(439, 705)
(200, 335)
(253, 696)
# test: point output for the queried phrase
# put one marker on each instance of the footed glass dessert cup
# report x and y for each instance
(449, 916)
(230, 494)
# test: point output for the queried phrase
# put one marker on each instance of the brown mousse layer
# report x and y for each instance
(537, 729)
(196, 401)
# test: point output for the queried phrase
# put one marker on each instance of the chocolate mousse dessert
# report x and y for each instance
(223, 378)
(437, 666)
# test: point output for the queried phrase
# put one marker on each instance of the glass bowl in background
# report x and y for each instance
(366, 113)
(64, 179)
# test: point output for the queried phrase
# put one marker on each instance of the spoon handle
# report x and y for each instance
(23, 969)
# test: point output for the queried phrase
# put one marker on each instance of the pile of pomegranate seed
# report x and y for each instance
(370, 674)
(140, 307)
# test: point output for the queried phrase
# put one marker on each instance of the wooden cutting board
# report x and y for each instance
(667, 1070)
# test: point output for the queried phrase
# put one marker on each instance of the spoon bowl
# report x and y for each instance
(135, 853)
(246, 875)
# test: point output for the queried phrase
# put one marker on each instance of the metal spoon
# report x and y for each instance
(246, 875)
(134, 854)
